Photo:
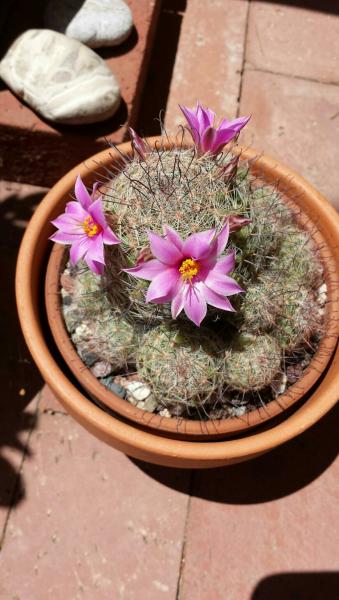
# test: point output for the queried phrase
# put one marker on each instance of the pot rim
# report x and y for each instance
(125, 436)
(186, 428)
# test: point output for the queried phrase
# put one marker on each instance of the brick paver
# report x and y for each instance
(94, 525)
(293, 41)
(274, 515)
(296, 121)
(209, 58)
(20, 381)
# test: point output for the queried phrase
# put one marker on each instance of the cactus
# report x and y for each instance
(235, 353)
(252, 362)
(95, 327)
(180, 364)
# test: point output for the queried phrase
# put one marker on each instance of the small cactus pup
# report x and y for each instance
(189, 280)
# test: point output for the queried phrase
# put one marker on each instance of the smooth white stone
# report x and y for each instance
(140, 391)
(60, 78)
(96, 23)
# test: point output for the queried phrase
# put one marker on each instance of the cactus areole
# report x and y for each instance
(192, 288)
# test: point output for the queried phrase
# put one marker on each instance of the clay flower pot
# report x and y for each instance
(139, 433)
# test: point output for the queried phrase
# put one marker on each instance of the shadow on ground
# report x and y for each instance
(279, 473)
(298, 586)
(159, 76)
(20, 380)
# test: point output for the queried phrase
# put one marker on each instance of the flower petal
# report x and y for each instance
(164, 250)
(68, 225)
(216, 300)
(74, 210)
(208, 141)
(236, 124)
(64, 238)
(162, 285)
(173, 237)
(147, 270)
(178, 301)
(205, 117)
(225, 264)
(223, 285)
(95, 267)
(97, 213)
(222, 239)
(79, 249)
(82, 194)
(195, 305)
(109, 237)
(192, 120)
(96, 249)
(197, 245)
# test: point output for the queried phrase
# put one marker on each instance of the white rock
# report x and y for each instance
(140, 391)
(101, 368)
(60, 78)
(94, 22)
(164, 412)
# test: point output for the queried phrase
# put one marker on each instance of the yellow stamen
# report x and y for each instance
(189, 268)
(90, 227)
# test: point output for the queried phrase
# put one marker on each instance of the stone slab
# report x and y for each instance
(20, 380)
(93, 523)
(271, 518)
(297, 122)
(294, 40)
(35, 151)
(209, 59)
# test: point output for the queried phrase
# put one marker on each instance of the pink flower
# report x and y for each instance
(83, 225)
(208, 138)
(190, 274)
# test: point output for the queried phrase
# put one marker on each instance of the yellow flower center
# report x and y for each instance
(90, 227)
(189, 268)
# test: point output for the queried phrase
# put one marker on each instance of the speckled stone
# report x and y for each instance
(60, 78)
(95, 23)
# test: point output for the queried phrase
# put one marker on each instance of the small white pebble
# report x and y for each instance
(140, 391)
(322, 294)
(282, 386)
(165, 413)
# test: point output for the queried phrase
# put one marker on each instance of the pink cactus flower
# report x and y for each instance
(190, 274)
(83, 225)
(208, 138)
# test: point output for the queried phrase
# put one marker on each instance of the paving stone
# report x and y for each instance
(209, 59)
(297, 122)
(276, 515)
(49, 402)
(17, 421)
(20, 380)
(93, 523)
(293, 40)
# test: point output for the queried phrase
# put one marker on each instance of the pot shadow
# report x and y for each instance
(20, 380)
(298, 586)
(274, 475)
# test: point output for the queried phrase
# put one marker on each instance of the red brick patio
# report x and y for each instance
(80, 520)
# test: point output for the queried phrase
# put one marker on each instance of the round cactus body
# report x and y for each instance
(252, 363)
(179, 364)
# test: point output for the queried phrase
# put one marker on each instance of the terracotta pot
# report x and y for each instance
(125, 436)
(184, 428)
